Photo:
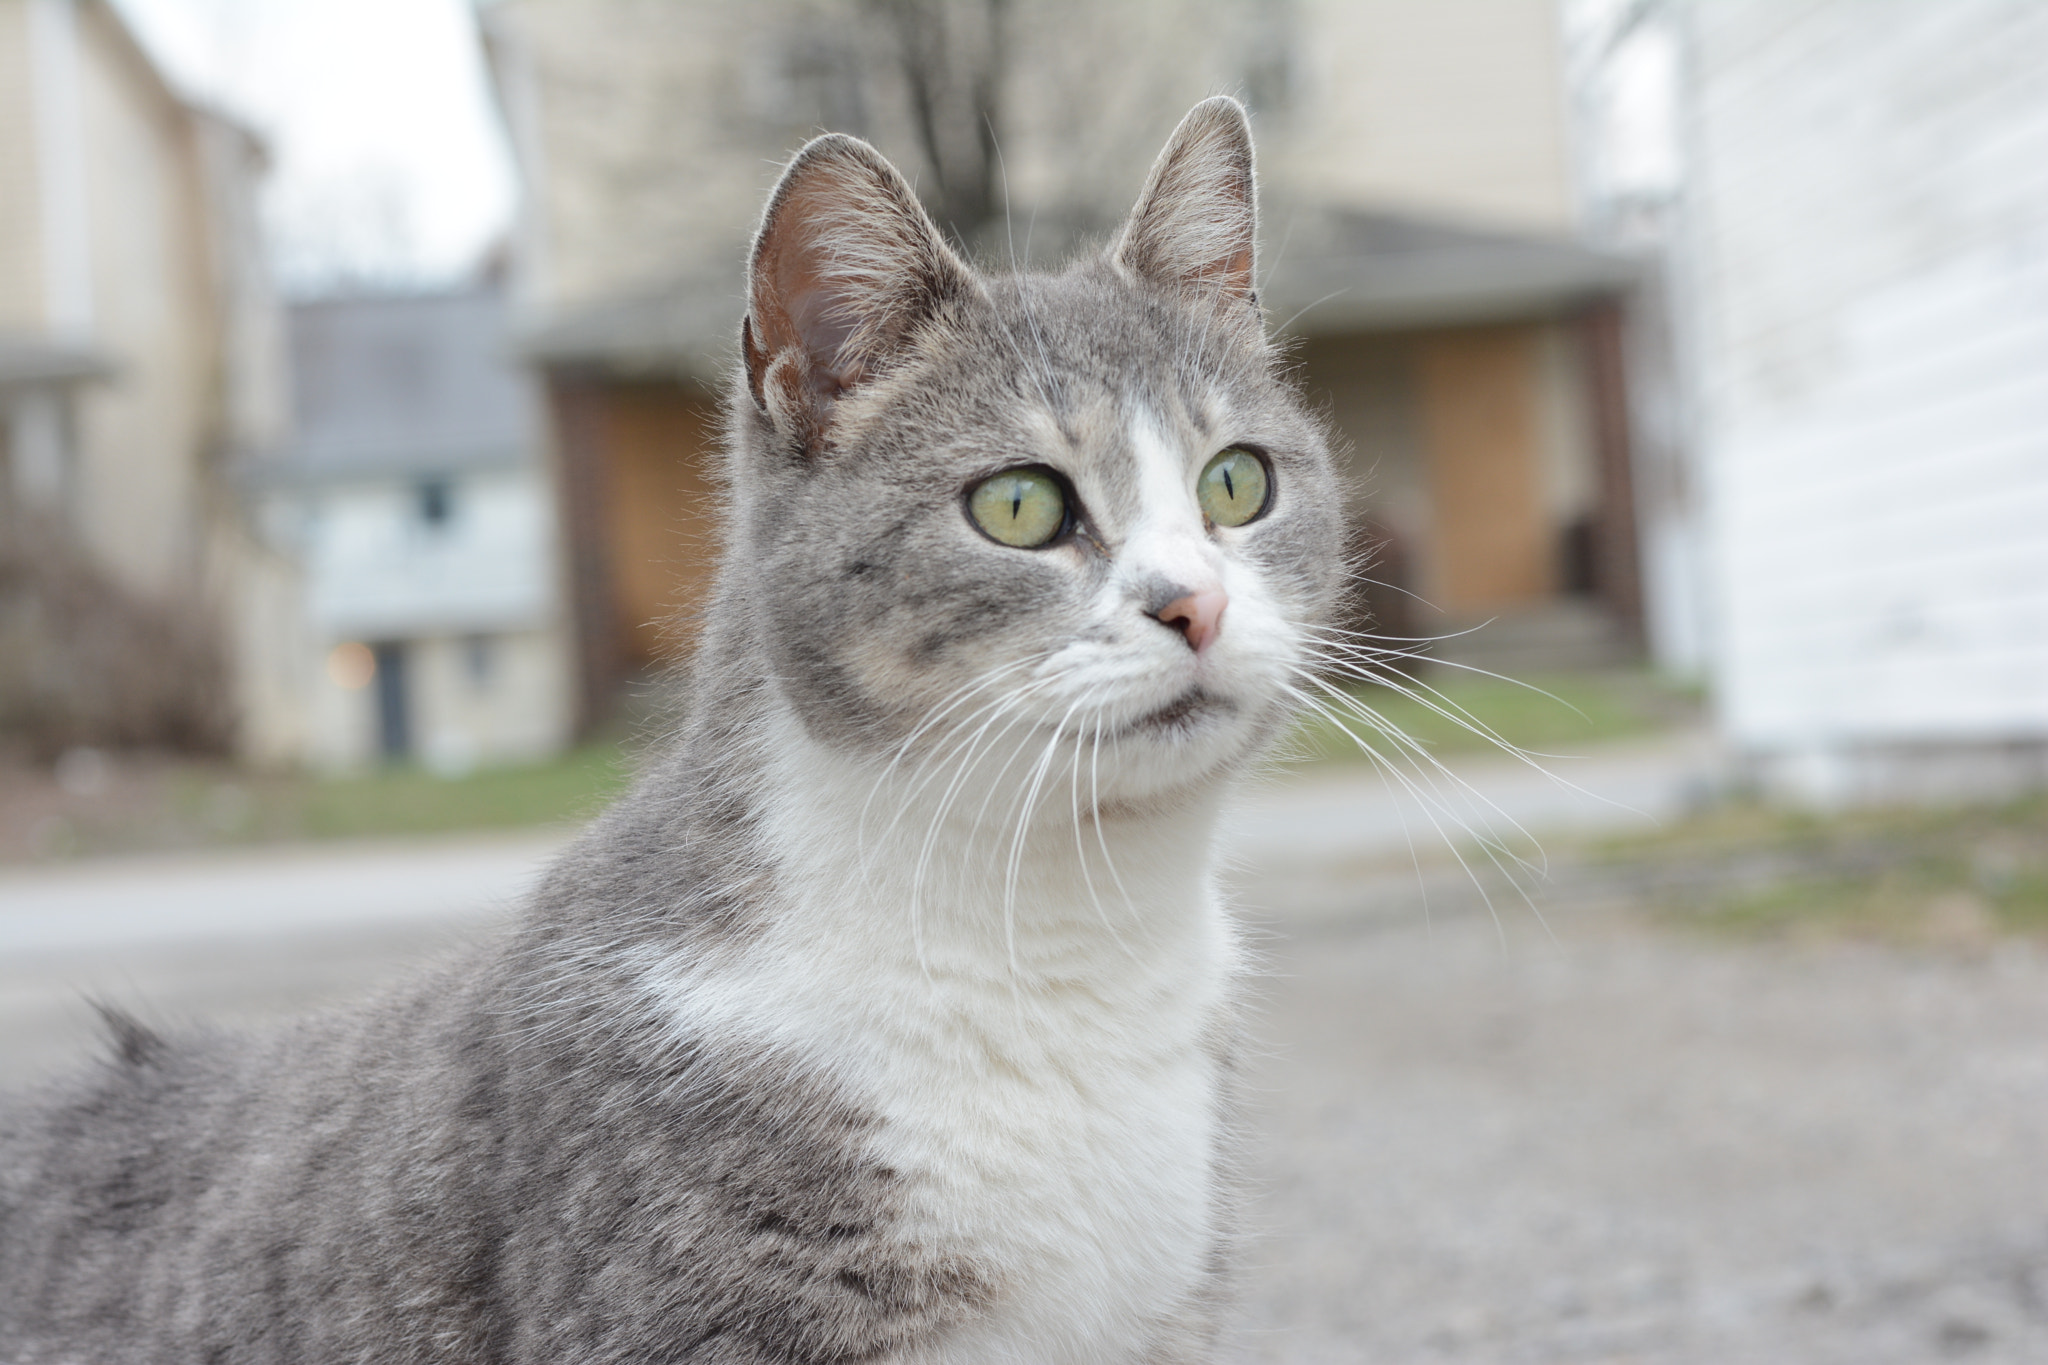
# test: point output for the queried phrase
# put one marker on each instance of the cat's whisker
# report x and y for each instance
(1095, 818)
(937, 761)
(1428, 698)
(971, 754)
(1423, 694)
(910, 797)
(1024, 824)
(1424, 800)
(1419, 754)
(1340, 638)
(1095, 801)
(1496, 847)
(964, 757)
(1356, 577)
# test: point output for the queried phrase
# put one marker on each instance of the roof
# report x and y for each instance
(30, 361)
(1339, 271)
(33, 361)
(1334, 271)
(405, 384)
(686, 329)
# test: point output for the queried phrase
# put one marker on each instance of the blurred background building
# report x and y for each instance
(414, 494)
(1846, 349)
(138, 360)
(1419, 213)
(1708, 335)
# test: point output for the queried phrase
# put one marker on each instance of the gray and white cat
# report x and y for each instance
(891, 1017)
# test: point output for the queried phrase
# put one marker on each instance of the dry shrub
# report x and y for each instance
(84, 661)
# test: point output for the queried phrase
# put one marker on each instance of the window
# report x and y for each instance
(479, 661)
(435, 502)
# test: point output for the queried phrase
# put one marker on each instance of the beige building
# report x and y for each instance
(139, 355)
(1418, 217)
(414, 496)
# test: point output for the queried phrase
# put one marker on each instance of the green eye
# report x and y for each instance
(1020, 507)
(1233, 488)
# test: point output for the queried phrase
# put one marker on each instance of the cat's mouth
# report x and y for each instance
(1182, 714)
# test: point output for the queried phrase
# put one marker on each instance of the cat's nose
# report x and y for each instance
(1196, 615)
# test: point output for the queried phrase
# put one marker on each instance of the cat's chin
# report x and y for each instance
(1191, 742)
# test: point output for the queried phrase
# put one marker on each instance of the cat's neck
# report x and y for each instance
(1015, 875)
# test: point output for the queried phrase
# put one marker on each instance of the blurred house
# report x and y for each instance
(414, 494)
(1855, 210)
(1419, 210)
(139, 352)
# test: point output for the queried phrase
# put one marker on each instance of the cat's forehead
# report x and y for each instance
(1088, 360)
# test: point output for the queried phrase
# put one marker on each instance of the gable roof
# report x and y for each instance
(1331, 272)
(406, 384)
(30, 361)
(1346, 270)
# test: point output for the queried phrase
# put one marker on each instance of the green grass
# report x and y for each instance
(1957, 874)
(410, 801)
(1552, 713)
(185, 804)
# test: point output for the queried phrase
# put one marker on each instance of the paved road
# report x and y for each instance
(234, 937)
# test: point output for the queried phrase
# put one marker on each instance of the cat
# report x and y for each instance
(892, 1015)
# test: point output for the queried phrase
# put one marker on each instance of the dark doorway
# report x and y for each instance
(394, 712)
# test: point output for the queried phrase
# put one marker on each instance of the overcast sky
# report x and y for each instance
(388, 163)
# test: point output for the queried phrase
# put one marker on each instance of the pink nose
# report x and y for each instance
(1197, 616)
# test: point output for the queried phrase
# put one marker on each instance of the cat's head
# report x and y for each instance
(1028, 516)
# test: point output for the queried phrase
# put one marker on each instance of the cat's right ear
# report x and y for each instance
(1196, 223)
(845, 268)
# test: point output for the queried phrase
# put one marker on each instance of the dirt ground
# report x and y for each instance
(1620, 1140)
(1631, 1144)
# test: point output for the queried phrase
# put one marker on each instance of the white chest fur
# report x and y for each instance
(1069, 1145)
(1041, 1056)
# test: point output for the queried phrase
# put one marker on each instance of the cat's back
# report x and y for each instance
(194, 1196)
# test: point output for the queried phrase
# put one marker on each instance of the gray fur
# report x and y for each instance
(520, 1159)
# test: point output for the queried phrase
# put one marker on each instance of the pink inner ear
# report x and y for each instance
(821, 323)
(1194, 223)
(844, 268)
(1235, 273)
(795, 305)
(807, 300)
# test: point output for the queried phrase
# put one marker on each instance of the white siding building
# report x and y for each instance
(1860, 246)
(416, 498)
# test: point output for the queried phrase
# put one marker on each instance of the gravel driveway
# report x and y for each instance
(1633, 1146)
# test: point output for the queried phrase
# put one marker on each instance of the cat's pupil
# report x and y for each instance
(1229, 488)
(1016, 505)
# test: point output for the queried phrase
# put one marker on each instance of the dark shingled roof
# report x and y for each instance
(29, 361)
(406, 384)
(1325, 272)
(1340, 270)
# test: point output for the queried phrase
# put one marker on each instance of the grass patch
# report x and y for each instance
(1553, 713)
(161, 804)
(1955, 875)
(573, 787)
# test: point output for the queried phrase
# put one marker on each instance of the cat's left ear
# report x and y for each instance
(1195, 224)
(845, 268)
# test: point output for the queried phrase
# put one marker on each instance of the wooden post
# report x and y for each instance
(577, 405)
(1617, 571)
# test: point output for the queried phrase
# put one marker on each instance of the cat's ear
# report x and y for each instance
(1195, 224)
(845, 268)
